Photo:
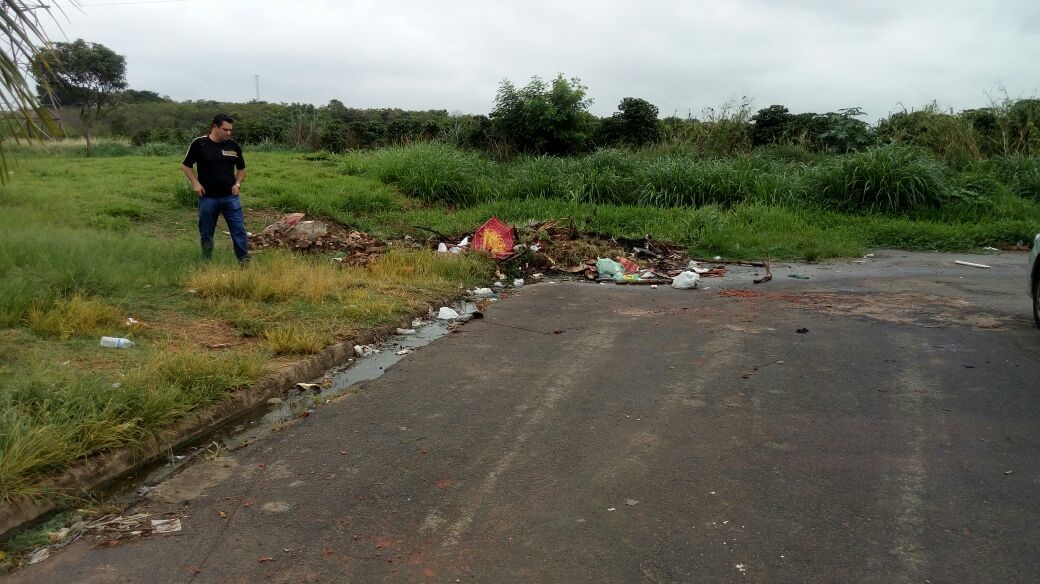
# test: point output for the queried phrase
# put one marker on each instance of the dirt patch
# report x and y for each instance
(205, 332)
(895, 307)
(193, 481)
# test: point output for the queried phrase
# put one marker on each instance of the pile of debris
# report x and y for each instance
(558, 246)
(292, 232)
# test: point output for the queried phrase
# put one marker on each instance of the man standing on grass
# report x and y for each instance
(221, 170)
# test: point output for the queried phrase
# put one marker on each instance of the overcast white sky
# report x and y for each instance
(810, 55)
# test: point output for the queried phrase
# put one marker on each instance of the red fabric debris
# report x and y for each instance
(494, 237)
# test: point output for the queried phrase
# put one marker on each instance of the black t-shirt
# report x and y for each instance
(217, 163)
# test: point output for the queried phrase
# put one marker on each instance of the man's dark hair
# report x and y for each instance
(219, 119)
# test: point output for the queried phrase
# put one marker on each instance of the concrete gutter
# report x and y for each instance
(95, 472)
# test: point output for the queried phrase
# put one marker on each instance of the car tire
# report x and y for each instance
(1036, 302)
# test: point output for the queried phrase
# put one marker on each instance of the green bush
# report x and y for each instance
(542, 118)
(888, 179)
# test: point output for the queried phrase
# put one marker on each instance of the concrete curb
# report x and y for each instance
(101, 469)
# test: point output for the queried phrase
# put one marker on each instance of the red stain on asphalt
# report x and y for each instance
(445, 484)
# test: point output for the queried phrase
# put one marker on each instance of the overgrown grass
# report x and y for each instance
(87, 243)
(52, 416)
(892, 180)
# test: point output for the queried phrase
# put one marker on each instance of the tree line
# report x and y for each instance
(86, 83)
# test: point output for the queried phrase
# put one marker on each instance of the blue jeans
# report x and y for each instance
(231, 207)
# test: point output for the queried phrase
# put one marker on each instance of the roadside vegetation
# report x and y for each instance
(104, 246)
(104, 242)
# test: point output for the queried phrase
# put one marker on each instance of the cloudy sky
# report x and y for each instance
(683, 56)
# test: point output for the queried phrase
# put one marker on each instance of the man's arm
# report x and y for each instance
(195, 184)
(238, 181)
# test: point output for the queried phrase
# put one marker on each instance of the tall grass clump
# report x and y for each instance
(51, 418)
(293, 339)
(183, 195)
(75, 317)
(887, 179)
(1020, 172)
(436, 173)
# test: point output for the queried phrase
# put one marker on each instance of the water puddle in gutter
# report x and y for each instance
(263, 420)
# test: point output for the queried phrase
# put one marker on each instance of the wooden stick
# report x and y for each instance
(734, 262)
(769, 273)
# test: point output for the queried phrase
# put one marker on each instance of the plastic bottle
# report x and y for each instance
(116, 343)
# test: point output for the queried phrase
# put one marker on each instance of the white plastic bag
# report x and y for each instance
(446, 313)
(686, 281)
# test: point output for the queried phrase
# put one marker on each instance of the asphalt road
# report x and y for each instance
(594, 433)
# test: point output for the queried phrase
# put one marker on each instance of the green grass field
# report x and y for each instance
(86, 243)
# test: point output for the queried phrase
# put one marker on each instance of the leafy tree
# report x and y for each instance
(87, 76)
(542, 118)
(21, 31)
(143, 96)
(634, 124)
(772, 125)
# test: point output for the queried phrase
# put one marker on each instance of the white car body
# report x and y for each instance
(1033, 278)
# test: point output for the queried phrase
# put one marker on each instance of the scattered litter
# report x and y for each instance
(742, 568)
(535, 247)
(653, 286)
(971, 264)
(798, 276)
(686, 281)
(365, 350)
(631, 502)
(483, 292)
(403, 352)
(629, 266)
(116, 343)
(166, 525)
(131, 321)
(988, 248)
(869, 255)
(718, 258)
(446, 313)
(38, 556)
(58, 536)
(315, 387)
(518, 282)
(612, 509)
(406, 331)
(418, 322)
(442, 248)
(802, 331)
